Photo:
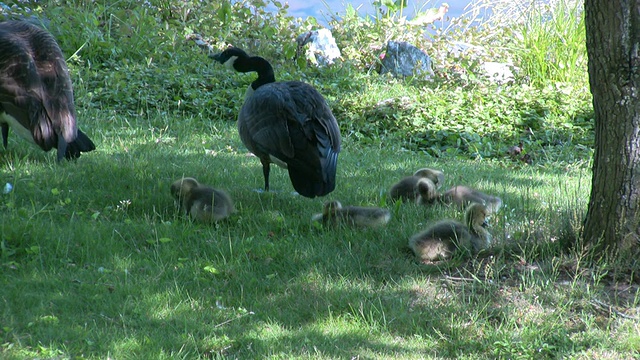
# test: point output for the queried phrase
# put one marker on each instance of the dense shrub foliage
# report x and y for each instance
(136, 58)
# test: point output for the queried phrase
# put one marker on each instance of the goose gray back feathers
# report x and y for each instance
(36, 94)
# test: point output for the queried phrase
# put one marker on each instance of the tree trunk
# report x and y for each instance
(613, 48)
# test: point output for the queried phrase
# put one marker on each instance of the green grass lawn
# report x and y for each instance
(97, 263)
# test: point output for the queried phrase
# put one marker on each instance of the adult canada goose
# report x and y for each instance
(444, 238)
(333, 213)
(36, 95)
(200, 202)
(463, 195)
(406, 189)
(288, 123)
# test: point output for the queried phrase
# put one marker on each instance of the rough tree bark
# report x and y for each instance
(613, 48)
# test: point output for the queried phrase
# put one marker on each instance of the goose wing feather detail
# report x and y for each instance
(292, 122)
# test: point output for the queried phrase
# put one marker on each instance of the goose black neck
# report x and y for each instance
(259, 65)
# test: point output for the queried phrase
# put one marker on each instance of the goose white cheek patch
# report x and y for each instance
(229, 63)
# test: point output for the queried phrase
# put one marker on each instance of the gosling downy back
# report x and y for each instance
(407, 188)
(202, 203)
(462, 196)
(288, 123)
(36, 94)
(443, 239)
(333, 214)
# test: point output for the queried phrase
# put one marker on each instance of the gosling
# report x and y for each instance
(200, 202)
(436, 176)
(406, 189)
(427, 192)
(334, 214)
(462, 196)
(447, 237)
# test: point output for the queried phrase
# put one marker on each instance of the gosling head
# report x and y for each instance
(183, 187)
(436, 176)
(476, 218)
(477, 215)
(330, 207)
(427, 192)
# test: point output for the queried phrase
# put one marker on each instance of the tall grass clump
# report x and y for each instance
(549, 43)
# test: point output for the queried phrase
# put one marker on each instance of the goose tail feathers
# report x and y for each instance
(82, 143)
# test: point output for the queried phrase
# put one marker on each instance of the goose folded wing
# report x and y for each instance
(58, 90)
(22, 91)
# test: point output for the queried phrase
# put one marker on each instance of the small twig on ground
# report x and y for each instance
(609, 308)
(236, 318)
(455, 278)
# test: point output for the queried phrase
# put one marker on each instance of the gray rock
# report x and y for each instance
(322, 50)
(404, 59)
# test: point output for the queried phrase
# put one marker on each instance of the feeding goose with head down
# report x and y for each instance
(36, 95)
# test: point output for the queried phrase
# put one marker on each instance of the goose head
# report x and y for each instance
(229, 57)
(238, 60)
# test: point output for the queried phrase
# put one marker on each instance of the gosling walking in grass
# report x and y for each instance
(200, 202)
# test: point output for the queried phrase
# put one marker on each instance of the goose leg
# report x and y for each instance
(266, 168)
(62, 147)
(5, 134)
